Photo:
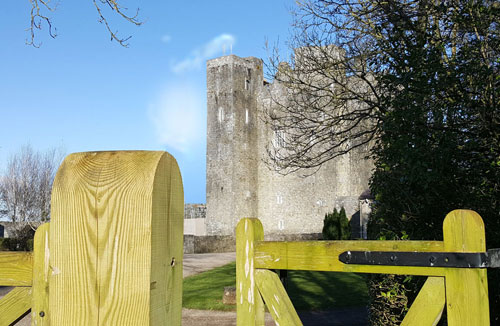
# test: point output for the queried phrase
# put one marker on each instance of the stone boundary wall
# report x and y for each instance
(227, 243)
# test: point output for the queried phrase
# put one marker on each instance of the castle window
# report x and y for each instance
(279, 138)
(247, 80)
(281, 224)
(279, 199)
(246, 116)
(221, 114)
(320, 203)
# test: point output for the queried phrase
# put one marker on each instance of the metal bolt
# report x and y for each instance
(393, 257)
(172, 263)
(432, 260)
(42, 314)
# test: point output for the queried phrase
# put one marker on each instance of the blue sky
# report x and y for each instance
(81, 92)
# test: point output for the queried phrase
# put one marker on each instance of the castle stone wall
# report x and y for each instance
(232, 88)
(240, 184)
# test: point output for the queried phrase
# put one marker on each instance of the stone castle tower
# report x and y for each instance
(240, 184)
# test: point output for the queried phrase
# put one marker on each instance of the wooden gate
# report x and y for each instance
(463, 290)
(112, 254)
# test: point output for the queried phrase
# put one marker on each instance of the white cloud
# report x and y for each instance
(166, 38)
(179, 117)
(218, 45)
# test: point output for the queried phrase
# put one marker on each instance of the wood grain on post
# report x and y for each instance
(249, 304)
(324, 256)
(16, 268)
(15, 304)
(428, 307)
(277, 301)
(40, 299)
(116, 240)
(466, 288)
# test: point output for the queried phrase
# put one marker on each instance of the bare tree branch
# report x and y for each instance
(116, 7)
(348, 67)
(39, 16)
(37, 19)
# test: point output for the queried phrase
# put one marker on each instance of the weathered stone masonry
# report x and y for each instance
(240, 184)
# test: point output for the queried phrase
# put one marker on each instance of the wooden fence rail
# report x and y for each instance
(464, 290)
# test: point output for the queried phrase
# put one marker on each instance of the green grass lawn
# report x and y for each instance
(307, 290)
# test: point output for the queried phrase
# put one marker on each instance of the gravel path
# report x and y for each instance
(197, 263)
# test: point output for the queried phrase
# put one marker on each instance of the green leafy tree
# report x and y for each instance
(418, 81)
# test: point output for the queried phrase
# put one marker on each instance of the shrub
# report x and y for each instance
(29, 245)
(336, 226)
(16, 244)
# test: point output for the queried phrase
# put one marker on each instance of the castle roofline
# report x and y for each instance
(228, 59)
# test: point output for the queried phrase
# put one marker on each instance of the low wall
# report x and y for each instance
(194, 226)
(227, 243)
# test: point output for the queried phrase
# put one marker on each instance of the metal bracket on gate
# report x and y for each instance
(489, 259)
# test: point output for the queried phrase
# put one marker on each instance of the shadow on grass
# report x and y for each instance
(316, 291)
(309, 291)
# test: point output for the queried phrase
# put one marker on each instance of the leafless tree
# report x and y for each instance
(332, 101)
(39, 16)
(26, 185)
(338, 80)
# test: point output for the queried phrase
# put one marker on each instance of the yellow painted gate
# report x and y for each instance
(112, 255)
(455, 268)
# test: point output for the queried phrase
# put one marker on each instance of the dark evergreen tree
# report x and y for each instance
(336, 226)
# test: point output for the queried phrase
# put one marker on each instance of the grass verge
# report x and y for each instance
(309, 291)
(204, 291)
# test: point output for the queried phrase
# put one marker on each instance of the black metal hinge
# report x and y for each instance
(489, 259)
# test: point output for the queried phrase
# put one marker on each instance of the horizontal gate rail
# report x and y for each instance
(324, 256)
(16, 268)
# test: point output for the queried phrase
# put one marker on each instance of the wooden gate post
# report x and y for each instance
(115, 242)
(249, 304)
(466, 288)
(41, 274)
